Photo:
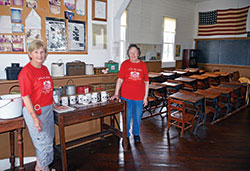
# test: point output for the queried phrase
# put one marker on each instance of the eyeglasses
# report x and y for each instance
(132, 52)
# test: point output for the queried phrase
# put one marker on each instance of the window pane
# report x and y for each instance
(168, 52)
(168, 37)
(124, 19)
(171, 52)
(169, 24)
(123, 33)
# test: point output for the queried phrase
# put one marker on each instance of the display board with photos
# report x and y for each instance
(62, 24)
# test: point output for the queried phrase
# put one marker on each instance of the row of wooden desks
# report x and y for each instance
(163, 76)
(215, 95)
(169, 87)
(216, 77)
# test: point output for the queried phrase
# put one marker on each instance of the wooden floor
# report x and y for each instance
(223, 146)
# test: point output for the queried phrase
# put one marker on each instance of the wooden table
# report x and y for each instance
(213, 78)
(11, 125)
(224, 76)
(202, 81)
(154, 77)
(162, 97)
(192, 71)
(214, 98)
(188, 81)
(168, 75)
(171, 86)
(226, 93)
(236, 91)
(196, 100)
(180, 73)
(87, 113)
(243, 89)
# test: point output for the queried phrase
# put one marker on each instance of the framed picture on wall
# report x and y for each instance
(99, 10)
(77, 35)
(177, 50)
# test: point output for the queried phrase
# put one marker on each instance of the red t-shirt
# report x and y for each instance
(38, 84)
(134, 76)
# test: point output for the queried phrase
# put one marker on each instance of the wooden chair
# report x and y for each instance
(178, 117)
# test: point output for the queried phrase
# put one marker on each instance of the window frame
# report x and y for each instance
(173, 33)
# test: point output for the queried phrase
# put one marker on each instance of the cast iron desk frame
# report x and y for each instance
(162, 90)
(214, 98)
(87, 113)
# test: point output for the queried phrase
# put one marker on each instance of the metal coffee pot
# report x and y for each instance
(70, 89)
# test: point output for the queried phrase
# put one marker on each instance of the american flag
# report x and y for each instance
(223, 22)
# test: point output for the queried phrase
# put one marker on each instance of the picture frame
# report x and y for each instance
(99, 10)
(177, 50)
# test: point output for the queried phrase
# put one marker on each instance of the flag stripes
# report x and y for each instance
(223, 22)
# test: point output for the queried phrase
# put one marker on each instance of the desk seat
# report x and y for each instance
(224, 76)
(214, 79)
(202, 81)
(190, 84)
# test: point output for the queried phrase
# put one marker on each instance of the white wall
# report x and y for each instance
(145, 20)
(94, 56)
(211, 5)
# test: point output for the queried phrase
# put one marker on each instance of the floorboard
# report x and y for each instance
(222, 146)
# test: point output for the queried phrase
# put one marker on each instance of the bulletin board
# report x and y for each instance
(76, 25)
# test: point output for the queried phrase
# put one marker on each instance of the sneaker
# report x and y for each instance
(137, 138)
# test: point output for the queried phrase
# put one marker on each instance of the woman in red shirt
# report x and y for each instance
(133, 82)
(36, 88)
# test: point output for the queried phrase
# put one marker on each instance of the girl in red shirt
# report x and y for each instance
(133, 82)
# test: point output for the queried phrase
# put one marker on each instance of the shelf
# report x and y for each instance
(4, 81)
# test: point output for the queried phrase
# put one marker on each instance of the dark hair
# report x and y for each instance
(131, 46)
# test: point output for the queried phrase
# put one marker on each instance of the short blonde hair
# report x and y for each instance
(37, 44)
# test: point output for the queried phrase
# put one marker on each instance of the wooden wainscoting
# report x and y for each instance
(153, 66)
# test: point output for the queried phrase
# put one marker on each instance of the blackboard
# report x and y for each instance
(231, 52)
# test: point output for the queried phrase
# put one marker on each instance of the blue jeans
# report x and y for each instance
(134, 109)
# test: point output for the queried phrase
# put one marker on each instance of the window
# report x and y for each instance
(169, 27)
(123, 36)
